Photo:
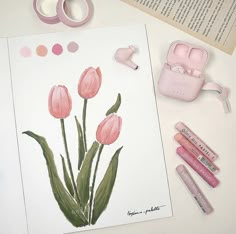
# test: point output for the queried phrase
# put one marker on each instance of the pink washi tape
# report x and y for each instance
(46, 11)
(54, 11)
(62, 12)
(194, 189)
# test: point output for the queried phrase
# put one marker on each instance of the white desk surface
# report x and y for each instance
(205, 116)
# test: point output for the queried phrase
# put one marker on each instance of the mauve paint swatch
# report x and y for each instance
(72, 47)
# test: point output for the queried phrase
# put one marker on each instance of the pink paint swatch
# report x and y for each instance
(25, 52)
(41, 50)
(72, 47)
(57, 49)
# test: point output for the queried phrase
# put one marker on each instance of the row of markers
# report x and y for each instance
(42, 50)
(200, 158)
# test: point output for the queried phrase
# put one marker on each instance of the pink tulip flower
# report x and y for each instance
(109, 129)
(90, 82)
(59, 102)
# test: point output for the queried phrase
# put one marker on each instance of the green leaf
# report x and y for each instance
(86, 210)
(104, 189)
(67, 204)
(67, 177)
(84, 174)
(116, 106)
(81, 149)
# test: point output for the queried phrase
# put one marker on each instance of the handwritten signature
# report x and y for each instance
(145, 212)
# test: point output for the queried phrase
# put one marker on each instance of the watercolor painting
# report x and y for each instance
(75, 192)
(88, 140)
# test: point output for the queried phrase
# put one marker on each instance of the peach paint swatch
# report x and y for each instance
(72, 47)
(41, 50)
(25, 52)
(57, 49)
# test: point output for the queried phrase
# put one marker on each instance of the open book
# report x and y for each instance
(80, 138)
(210, 21)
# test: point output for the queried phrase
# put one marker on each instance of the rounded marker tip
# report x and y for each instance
(180, 150)
(178, 136)
(180, 168)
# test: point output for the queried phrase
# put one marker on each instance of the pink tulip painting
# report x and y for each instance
(81, 197)
(88, 87)
(90, 82)
(60, 105)
(59, 102)
(109, 129)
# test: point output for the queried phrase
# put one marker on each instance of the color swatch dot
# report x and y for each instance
(25, 52)
(41, 50)
(72, 47)
(57, 49)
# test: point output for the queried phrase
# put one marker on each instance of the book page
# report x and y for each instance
(12, 210)
(107, 168)
(214, 22)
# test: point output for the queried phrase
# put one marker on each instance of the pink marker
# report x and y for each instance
(195, 152)
(196, 141)
(194, 189)
(197, 166)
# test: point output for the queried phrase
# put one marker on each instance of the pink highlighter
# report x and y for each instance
(196, 153)
(197, 166)
(194, 189)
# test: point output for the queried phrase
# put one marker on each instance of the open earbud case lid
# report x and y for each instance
(190, 56)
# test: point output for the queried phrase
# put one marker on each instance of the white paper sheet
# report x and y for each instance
(12, 211)
(141, 189)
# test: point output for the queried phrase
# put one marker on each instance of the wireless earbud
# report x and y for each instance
(180, 69)
(123, 55)
(177, 68)
(196, 73)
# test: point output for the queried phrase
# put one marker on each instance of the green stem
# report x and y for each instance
(68, 159)
(84, 123)
(93, 183)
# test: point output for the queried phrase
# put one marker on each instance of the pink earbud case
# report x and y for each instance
(182, 75)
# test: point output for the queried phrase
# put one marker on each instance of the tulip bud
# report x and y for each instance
(90, 82)
(59, 102)
(109, 129)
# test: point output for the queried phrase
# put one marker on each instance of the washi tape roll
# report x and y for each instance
(46, 10)
(63, 13)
